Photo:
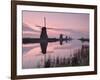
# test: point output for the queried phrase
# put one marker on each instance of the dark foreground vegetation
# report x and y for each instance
(80, 57)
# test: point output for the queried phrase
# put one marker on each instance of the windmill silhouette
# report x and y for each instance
(44, 40)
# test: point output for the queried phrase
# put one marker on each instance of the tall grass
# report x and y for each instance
(80, 57)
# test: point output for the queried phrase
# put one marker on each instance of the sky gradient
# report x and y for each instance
(75, 25)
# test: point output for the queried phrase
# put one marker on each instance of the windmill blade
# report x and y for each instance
(55, 29)
(44, 24)
(44, 21)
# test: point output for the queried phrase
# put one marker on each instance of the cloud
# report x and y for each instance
(26, 27)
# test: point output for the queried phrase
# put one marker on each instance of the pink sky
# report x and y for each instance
(73, 24)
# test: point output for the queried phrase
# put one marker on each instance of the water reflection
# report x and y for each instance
(70, 53)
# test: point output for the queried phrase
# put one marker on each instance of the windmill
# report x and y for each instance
(44, 39)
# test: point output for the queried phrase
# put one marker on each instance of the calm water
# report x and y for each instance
(56, 54)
